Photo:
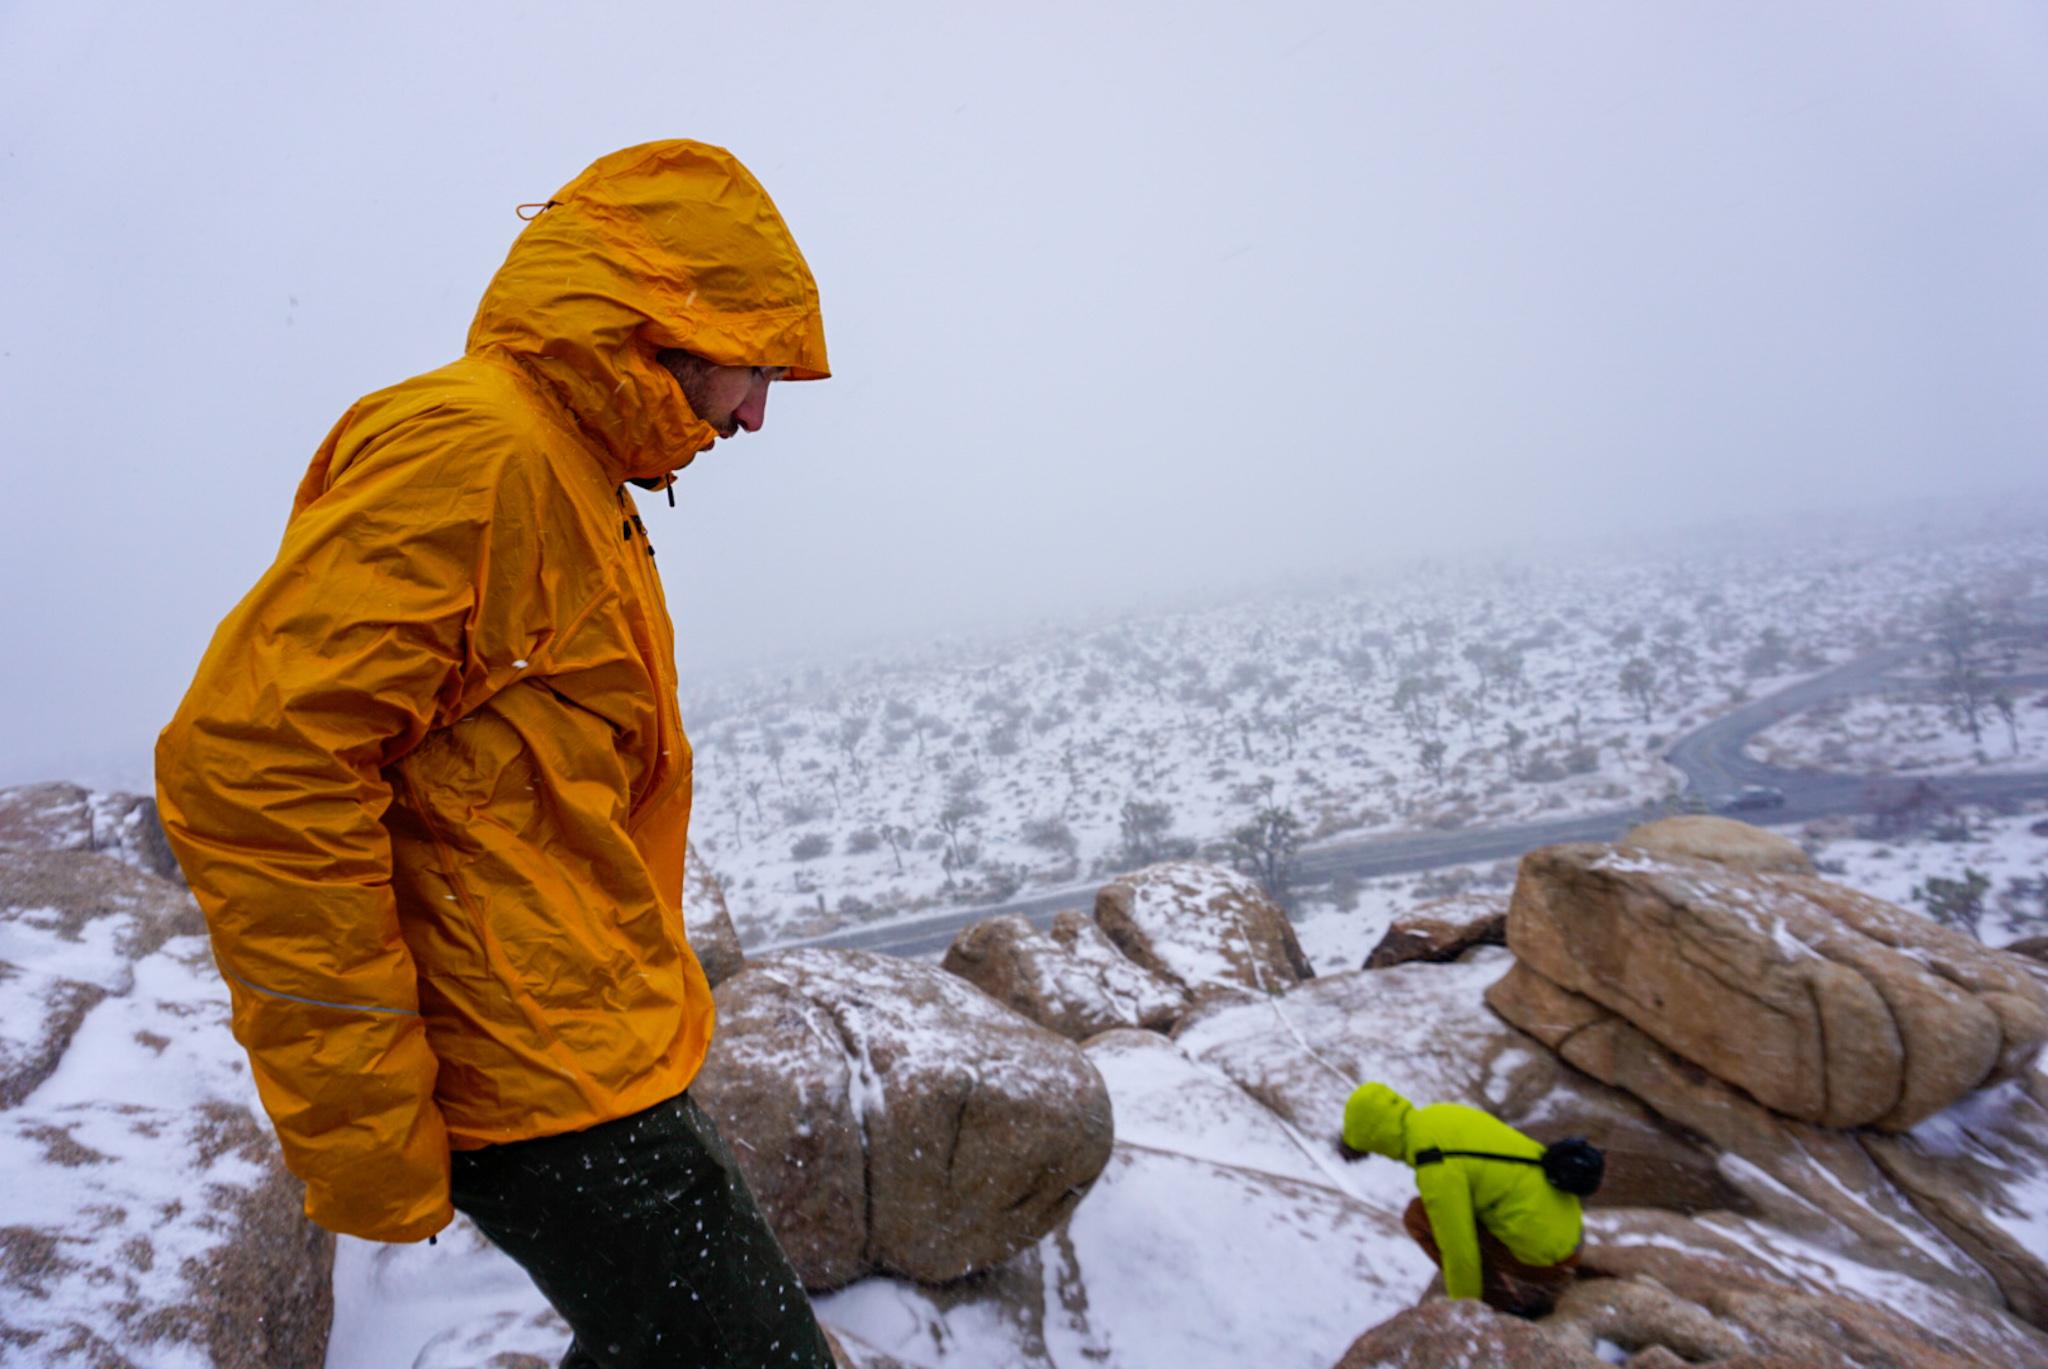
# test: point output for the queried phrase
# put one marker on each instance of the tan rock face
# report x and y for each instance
(1441, 1334)
(1443, 930)
(1737, 845)
(1824, 1005)
(891, 1117)
(1202, 928)
(707, 922)
(1077, 986)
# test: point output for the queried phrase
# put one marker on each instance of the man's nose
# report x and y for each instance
(753, 410)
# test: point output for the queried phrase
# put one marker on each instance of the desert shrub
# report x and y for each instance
(862, 840)
(1049, 834)
(802, 809)
(810, 846)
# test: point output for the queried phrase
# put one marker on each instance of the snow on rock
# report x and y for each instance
(1724, 841)
(1072, 980)
(890, 1116)
(1443, 929)
(69, 817)
(1172, 1261)
(1823, 1004)
(1203, 928)
(1425, 1030)
(146, 1217)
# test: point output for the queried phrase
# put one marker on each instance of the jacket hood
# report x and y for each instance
(668, 244)
(1376, 1120)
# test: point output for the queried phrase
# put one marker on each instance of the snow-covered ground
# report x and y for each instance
(1441, 697)
(1909, 730)
(2009, 851)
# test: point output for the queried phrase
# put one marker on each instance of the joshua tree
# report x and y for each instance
(898, 838)
(1959, 631)
(953, 819)
(1265, 848)
(1144, 826)
(1432, 753)
(851, 729)
(2009, 715)
(1639, 682)
(1515, 737)
(1955, 902)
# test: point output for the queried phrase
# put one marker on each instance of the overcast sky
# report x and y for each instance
(1123, 300)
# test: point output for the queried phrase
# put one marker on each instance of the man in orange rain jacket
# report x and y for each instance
(431, 787)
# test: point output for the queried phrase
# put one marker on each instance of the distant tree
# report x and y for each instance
(1639, 682)
(1145, 827)
(1481, 656)
(753, 787)
(1515, 737)
(851, 729)
(1507, 671)
(1771, 654)
(1264, 848)
(1955, 902)
(1358, 664)
(1432, 753)
(771, 745)
(1959, 633)
(2008, 714)
(1417, 701)
(1468, 710)
(958, 811)
(1577, 718)
(898, 837)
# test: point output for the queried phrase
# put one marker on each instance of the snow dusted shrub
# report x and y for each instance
(1049, 834)
(810, 846)
(862, 840)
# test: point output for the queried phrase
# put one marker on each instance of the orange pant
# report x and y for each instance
(1507, 1285)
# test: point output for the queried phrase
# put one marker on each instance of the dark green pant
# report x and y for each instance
(643, 1235)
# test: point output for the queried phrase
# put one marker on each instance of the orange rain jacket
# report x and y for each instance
(430, 785)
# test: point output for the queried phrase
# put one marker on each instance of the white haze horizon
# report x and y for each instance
(1128, 308)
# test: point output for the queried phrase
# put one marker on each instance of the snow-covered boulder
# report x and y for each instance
(1821, 1003)
(145, 1216)
(1737, 845)
(890, 1116)
(69, 817)
(1203, 928)
(1442, 930)
(707, 922)
(1072, 981)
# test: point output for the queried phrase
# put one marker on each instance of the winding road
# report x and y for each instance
(1711, 758)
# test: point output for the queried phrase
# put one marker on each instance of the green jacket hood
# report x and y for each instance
(1376, 1120)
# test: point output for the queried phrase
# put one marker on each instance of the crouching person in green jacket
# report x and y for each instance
(1497, 1227)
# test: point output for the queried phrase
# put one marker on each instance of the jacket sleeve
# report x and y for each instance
(359, 639)
(1447, 1197)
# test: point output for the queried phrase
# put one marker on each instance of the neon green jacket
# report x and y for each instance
(1539, 1225)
